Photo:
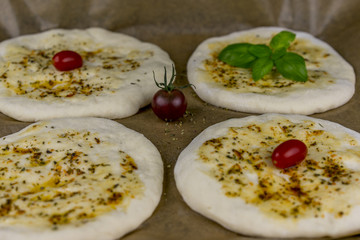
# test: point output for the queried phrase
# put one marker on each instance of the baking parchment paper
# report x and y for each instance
(178, 27)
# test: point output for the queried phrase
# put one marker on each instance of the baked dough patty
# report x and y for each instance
(115, 81)
(331, 81)
(77, 178)
(226, 174)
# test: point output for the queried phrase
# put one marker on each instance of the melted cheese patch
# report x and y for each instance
(240, 79)
(68, 177)
(29, 72)
(323, 183)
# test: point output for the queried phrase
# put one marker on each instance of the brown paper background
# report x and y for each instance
(178, 27)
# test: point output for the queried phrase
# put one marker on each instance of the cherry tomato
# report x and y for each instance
(169, 105)
(289, 153)
(67, 60)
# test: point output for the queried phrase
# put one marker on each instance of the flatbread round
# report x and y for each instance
(233, 88)
(227, 175)
(115, 81)
(77, 178)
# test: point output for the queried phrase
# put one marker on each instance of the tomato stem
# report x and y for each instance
(169, 86)
(165, 85)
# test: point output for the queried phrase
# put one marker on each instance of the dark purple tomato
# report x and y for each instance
(169, 105)
(289, 153)
(67, 60)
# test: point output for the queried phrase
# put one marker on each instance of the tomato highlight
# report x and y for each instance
(67, 60)
(289, 153)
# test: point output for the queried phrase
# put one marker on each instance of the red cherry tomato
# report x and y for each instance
(289, 153)
(67, 60)
(169, 105)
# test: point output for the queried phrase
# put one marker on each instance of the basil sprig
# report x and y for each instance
(262, 58)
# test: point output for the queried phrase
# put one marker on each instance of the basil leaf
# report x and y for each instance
(278, 53)
(237, 55)
(260, 50)
(261, 67)
(292, 66)
(282, 40)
